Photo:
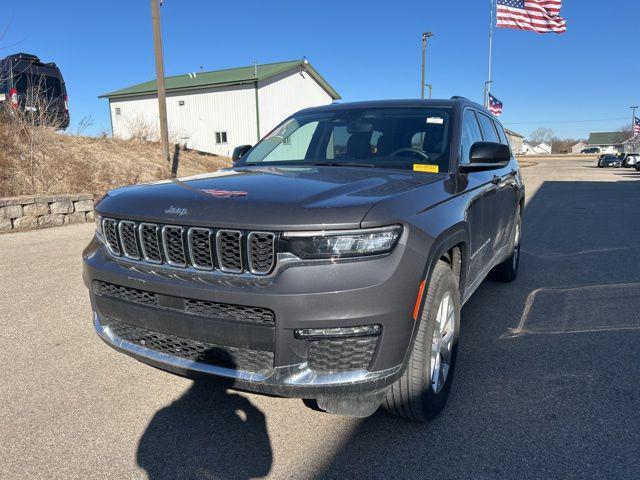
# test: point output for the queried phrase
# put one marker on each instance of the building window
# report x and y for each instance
(181, 103)
(117, 110)
(221, 137)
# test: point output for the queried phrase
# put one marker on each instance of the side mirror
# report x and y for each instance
(239, 152)
(487, 156)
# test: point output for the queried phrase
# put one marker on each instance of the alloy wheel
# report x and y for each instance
(442, 343)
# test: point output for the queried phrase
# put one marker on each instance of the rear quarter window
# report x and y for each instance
(501, 133)
(488, 130)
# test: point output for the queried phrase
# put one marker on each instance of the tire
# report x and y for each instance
(414, 395)
(507, 271)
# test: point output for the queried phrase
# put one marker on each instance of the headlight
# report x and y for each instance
(352, 243)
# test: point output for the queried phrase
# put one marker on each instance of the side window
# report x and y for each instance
(488, 130)
(501, 134)
(470, 134)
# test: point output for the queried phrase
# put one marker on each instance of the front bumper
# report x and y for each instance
(291, 381)
(377, 291)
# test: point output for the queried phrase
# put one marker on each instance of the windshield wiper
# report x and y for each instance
(343, 164)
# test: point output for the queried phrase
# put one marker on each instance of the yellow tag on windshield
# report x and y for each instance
(421, 167)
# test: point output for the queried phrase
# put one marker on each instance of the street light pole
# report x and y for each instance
(425, 36)
(487, 87)
(162, 96)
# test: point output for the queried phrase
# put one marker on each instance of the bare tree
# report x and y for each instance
(624, 133)
(83, 125)
(542, 134)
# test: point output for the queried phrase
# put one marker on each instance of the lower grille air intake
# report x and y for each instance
(341, 355)
(203, 308)
(227, 357)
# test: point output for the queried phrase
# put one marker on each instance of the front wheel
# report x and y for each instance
(422, 391)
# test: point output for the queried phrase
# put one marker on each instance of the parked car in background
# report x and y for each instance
(637, 165)
(329, 264)
(609, 161)
(35, 89)
(630, 160)
(591, 150)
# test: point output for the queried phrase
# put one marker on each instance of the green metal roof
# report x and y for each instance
(604, 138)
(232, 76)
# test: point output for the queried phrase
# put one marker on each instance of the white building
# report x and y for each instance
(217, 111)
(578, 147)
(606, 142)
(515, 140)
(536, 148)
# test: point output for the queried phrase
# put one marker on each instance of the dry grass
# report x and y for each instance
(38, 160)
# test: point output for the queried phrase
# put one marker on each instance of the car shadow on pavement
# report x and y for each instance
(544, 405)
(208, 433)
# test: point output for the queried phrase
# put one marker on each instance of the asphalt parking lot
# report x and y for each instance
(547, 383)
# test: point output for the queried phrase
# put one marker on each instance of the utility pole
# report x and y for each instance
(425, 36)
(162, 96)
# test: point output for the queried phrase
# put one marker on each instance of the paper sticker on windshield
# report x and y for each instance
(436, 120)
(421, 167)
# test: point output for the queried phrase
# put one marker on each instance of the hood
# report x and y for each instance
(274, 198)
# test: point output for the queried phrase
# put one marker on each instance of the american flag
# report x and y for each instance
(636, 126)
(495, 106)
(541, 16)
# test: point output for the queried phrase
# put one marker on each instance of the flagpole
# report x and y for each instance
(487, 85)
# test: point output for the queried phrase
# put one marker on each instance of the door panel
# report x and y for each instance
(481, 203)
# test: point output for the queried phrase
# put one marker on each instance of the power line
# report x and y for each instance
(543, 122)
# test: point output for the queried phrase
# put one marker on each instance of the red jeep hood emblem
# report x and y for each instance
(225, 193)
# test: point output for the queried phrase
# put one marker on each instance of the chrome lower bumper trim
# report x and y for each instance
(299, 375)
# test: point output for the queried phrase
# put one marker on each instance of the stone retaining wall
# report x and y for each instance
(37, 211)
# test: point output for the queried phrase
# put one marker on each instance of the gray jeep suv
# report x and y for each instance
(329, 263)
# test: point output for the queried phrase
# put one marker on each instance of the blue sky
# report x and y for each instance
(365, 49)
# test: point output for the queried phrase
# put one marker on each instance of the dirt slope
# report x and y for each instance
(40, 161)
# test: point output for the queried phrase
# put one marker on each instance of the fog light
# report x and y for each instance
(339, 332)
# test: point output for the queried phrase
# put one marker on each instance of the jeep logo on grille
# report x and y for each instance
(176, 211)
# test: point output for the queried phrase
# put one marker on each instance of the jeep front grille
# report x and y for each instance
(229, 246)
(173, 243)
(230, 251)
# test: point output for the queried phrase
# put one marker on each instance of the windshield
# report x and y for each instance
(412, 138)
